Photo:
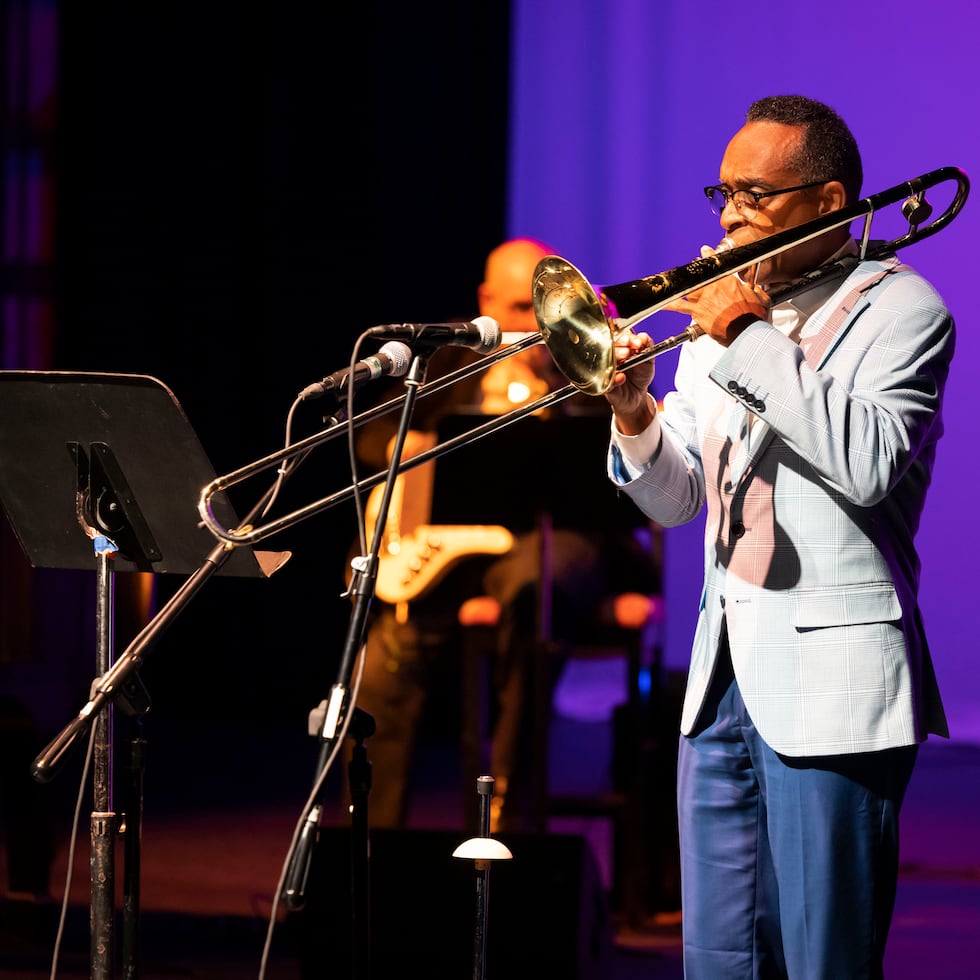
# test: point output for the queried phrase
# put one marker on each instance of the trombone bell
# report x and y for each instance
(574, 325)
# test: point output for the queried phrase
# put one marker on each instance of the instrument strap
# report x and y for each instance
(815, 346)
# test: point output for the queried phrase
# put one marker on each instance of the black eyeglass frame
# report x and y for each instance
(757, 196)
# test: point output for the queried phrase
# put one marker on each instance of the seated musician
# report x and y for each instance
(412, 642)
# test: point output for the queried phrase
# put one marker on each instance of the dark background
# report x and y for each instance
(242, 190)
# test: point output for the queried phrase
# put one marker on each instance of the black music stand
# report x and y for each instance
(136, 426)
(103, 472)
(554, 464)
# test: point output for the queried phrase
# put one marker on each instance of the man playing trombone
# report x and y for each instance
(808, 427)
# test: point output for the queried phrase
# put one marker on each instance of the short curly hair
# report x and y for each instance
(827, 151)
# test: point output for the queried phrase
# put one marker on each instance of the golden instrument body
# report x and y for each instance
(579, 324)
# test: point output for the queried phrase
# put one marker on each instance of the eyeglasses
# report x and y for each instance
(747, 202)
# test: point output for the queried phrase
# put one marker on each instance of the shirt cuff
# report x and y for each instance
(636, 453)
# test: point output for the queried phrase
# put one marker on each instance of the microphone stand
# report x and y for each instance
(359, 777)
(327, 720)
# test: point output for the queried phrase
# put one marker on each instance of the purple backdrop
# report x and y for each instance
(620, 114)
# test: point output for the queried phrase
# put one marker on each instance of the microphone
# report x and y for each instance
(482, 335)
(393, 359)
(294, 886)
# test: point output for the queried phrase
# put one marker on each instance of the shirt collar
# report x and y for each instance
(789, 316)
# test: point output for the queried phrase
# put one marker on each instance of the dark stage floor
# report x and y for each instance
(220, 806)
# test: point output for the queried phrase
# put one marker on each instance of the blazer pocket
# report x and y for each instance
(850, 605)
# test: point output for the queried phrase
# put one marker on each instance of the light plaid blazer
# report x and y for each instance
(812, 512)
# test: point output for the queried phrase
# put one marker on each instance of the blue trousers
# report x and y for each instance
(789, 866)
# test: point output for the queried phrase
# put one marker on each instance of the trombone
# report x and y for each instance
(579, 323)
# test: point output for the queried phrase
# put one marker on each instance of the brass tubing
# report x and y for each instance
(610, 309)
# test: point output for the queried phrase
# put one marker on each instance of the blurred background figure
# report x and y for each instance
(416, 642)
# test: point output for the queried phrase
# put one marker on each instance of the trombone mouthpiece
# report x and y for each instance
(725, 245)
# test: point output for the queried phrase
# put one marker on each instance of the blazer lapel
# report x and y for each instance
(822, 334)
(749, 436)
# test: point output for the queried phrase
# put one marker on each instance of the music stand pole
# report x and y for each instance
(483, 850)
(100, 489)
(103, 823)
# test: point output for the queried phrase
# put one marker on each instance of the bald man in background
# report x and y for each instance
(409, 644)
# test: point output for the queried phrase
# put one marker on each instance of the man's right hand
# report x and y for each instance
(629, 395)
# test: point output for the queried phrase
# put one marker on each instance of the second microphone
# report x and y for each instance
(482, 334)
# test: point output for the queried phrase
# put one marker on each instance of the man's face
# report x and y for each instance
(508, 298)
(755, 160)
(509, 302)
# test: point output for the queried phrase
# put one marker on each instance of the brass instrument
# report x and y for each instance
(579, 325)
